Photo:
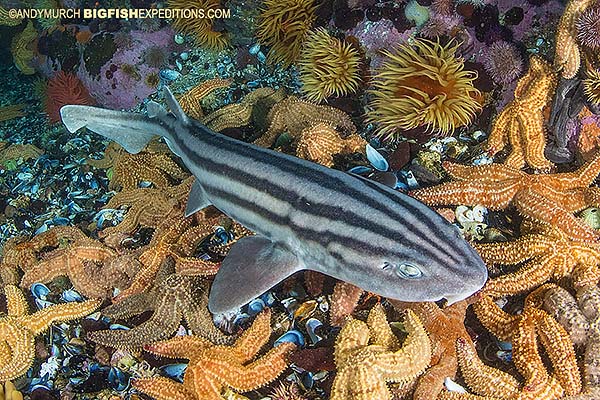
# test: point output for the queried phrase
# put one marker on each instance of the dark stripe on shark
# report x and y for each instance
(294, 166)
(323, 210)
(252, 180)
(323, 238)
(334, 183)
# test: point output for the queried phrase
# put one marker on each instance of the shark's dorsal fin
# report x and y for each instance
(197, 199)
(174, 106)
(254, 265)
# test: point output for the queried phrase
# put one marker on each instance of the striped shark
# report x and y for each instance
(306, 216)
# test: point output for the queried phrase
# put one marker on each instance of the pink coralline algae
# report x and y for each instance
(380, 35)
(540, 15)
(127, 79)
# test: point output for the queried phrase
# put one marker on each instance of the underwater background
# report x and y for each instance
(486, 110)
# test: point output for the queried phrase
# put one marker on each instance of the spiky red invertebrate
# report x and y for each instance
(65, 88)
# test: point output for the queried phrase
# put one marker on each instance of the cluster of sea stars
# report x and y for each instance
(369, 355)
(580, 316)
(525, 331)
(213, 368)
(547, 198)
(521, 122)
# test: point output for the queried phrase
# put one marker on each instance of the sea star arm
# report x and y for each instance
(482, 378)
(15, 301)
(582, 177)
(164, 389)
(41, 320)
(254, 338)
(262, 371)
(130, 306)
(495, 196)
(354, 335)
(45, 271)
(489, 172)
(381, 333)
(413, 358)
(339, 390)
(531, 275)
(498, 138)
(187, 346)
(513, 252)
(534, 140)
(525, 353)
(20, 343)
(499, 322)
(160, 325)
(195, 266)
(361, 383)
(560, 349)
(344, 300)
(516, 158)
(586, 274)
(5, 352)
(200, 321)
(432, 381)
(534, 205)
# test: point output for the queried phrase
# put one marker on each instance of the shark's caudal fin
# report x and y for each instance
(253, 266)
(132, 131)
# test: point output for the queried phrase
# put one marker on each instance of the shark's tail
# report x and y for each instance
(132, 131)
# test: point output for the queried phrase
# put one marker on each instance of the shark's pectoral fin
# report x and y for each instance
(253, 266)
(197, 199)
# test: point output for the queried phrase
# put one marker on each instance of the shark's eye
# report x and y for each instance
(408, 271)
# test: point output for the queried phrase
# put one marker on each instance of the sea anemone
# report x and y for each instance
(155, 56)
(201, 29)
(283, 27)
(328, 66)
(503, 62)
(423, 85)
(588, 28)
(591, 86)
(65, 88)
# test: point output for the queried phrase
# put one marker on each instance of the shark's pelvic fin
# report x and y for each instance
(197, 199)
(132, 131)
(174, 106)
(253, 266)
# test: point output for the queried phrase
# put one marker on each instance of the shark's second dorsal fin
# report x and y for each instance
(174, 106)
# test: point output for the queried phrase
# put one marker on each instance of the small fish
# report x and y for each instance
(306, 216)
